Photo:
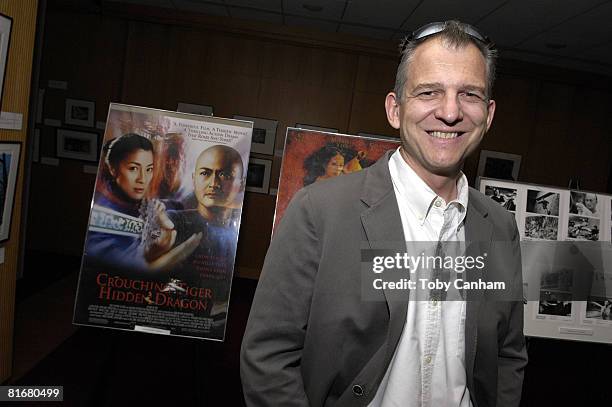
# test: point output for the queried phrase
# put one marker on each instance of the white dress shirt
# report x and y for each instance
(428, 366)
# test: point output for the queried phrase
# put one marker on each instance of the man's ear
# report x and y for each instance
(392, 107)
(490, 113)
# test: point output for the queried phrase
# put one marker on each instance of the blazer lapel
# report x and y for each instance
(478, 232)
(383, 228)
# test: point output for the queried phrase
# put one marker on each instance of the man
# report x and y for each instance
(313, 339)
(218, 179)
(589, 207)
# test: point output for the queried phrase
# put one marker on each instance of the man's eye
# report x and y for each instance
(225, 175)
(471, 97)
(428, 94)
(205, 173)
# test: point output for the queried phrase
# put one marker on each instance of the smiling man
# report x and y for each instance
(315, 337)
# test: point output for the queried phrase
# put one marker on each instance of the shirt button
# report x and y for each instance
(358, 390)
(438, 203)
(434, 302)
(427, 361)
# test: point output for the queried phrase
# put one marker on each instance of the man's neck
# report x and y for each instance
(214, 214)
(445, 186)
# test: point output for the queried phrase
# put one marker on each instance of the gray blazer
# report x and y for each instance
(311, 338)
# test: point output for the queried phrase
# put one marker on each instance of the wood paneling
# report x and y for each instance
(15, 99)
(159, 58)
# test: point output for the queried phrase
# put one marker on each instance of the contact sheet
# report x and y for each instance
(566, 250)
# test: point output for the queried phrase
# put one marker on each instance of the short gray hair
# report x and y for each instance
(454, 36)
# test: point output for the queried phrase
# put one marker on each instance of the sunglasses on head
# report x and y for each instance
(434, 28)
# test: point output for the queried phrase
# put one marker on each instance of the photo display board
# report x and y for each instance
(310, 156)
(163, 226)
(566, 255)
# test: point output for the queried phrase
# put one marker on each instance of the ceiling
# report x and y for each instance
(574, 34)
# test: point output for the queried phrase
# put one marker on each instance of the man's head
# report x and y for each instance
(218, 178)
(590, 201)
(441, 102)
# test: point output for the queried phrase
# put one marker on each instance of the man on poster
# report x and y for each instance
(218, 179)
(313, 340)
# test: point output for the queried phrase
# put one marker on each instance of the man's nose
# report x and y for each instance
(449, 109)
(215, 181)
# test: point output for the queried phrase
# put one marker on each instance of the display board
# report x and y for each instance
(163, 226)
(310, 156)
(566, 252)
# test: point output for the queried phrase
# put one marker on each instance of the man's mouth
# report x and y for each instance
(445, 134)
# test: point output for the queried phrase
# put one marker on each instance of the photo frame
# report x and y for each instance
(498, 165)
(80, 112)
(264, 134)
(203, 110)
(77, 145)
(258, 175)
(316, 128)
(9, 167)
(6, 25)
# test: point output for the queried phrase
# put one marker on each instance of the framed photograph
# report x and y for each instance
(258, 175)
(203, 110)
(494, 164)
(264, 134)
(6, 24)
(80, 112)
(316, 128)
(9, 166)
(77, 145)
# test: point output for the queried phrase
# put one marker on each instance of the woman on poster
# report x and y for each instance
(121, 208)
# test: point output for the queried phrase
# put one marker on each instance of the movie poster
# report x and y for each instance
(311, 156)
(163, 227)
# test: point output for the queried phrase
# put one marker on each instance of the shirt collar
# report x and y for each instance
(418, 196)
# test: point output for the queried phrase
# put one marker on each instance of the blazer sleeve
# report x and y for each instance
(512, 354)
(272, 345)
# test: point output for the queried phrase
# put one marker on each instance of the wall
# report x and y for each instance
(553, 118)
(16, 97)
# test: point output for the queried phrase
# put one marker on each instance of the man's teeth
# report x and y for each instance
(442, 134)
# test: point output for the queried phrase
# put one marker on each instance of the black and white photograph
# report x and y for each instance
(584, 204)
(583, 228)
(599, 308)
(555, 303)
(80, 112)
(556, 293)
(543, 202)
(77, 145)
(498, 165)
(9, 166)
(506, 197)
(542, 227)
(264, 134)
(258, 175)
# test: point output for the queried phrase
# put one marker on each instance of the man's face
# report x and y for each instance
(445, 113)
(590, 201)
(217, 179)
